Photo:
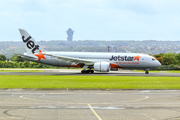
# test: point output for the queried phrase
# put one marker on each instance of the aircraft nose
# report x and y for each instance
(158, 63)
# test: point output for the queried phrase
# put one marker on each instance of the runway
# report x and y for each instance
(78, 73)
(18, 104)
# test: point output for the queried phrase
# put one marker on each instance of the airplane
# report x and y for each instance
(89, 61)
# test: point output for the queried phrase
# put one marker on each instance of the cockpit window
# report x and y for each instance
(153, 59)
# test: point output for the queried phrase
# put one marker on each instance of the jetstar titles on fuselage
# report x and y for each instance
(124, 58)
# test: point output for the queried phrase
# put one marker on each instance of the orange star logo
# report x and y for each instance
(136, 58)
(40, 56)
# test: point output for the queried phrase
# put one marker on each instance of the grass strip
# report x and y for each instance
(89, 82)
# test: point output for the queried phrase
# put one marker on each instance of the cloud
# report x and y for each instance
(91, 19)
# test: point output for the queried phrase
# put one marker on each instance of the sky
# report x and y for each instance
(91, 19)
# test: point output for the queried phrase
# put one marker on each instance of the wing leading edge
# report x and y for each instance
(71, 59)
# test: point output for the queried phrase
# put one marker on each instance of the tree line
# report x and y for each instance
(169, 61)
(17, 62)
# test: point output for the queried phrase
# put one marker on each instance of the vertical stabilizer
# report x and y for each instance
(30, 44)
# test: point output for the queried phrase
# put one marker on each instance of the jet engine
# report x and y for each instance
(102, 66)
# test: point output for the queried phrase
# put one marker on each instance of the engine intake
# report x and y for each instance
(102, 66)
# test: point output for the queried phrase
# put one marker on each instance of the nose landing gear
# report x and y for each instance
(147, 72)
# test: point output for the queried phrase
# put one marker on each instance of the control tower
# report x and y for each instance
(70, 33)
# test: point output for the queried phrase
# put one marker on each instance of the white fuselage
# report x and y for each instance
(121, 60)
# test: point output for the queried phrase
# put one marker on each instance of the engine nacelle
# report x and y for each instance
(102, 66)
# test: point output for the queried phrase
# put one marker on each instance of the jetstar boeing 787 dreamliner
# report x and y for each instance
(89, 61)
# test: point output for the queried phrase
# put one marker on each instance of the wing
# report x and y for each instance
(72, 59)
(26, 56)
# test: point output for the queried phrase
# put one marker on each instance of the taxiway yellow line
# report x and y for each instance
(99, 118)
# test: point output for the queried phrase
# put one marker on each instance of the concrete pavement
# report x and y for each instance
(18, 104)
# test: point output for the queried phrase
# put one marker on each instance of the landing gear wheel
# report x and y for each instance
(82, 71)
(88, 71)
(85, 71)
(92, 71)
(146, 72)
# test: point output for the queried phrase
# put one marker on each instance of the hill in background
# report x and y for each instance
(129, 46)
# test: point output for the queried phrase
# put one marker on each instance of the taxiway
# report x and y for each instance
(19, 104)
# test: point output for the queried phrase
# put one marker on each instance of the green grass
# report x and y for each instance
(89, 82)
(152, 71)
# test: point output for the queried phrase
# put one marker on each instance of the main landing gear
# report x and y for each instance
(87, 71)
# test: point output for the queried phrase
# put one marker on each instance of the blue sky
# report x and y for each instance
(91, 19)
